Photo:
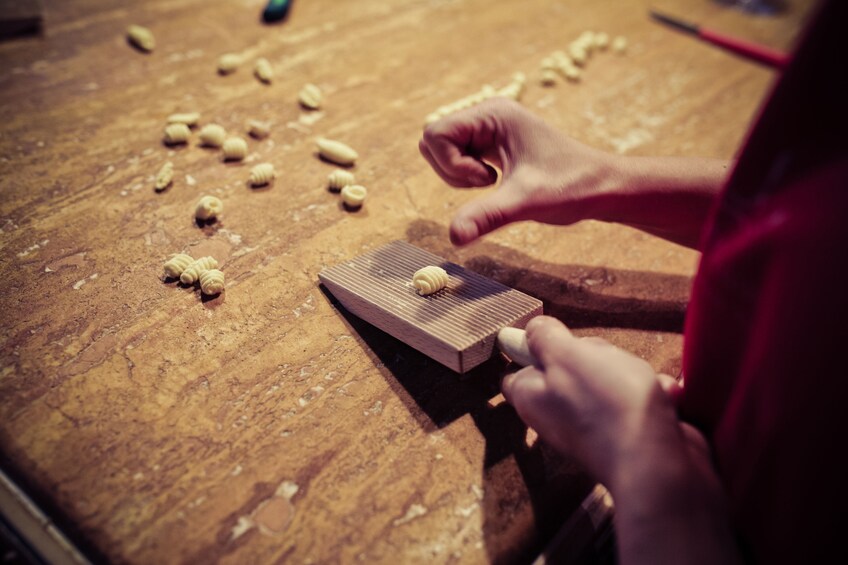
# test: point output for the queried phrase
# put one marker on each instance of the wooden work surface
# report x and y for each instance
(266, 424)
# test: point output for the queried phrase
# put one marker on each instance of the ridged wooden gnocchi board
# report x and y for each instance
(456, 326)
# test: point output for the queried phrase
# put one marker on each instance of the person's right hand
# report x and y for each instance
(546, 175)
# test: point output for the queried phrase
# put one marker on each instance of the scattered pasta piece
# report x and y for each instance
(310, 97)
(353, 195)
(430, 279)
(578, 54)
(165, 176)
(187, 118)
(212, 135)
(258, 130)
(141, 38)
(228, 63)
(262, 174)
(602, 41)
(336, 151)
(619, 45)
(549, 77)
(176, 134)
(211, 282)
(235, 149)
(208, 208)
(193, 271)
(178, 263)
(339, 179)
(263, 70)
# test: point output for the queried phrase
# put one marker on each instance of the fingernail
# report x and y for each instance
(466, 229)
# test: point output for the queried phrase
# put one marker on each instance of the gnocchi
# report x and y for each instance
(549, 77)
(228, 63)
(212, 135)
(353, 195)
(235, 149)
(430, 279)
(262, 174)
(176, 134)
(211, 282)
(263, 70)
(336, 151)
(258, 129)
(619, 45)
(187, 118)
(208, 208)
(310, 97)
(165, 176)
(339, 179)
(141, 37)
(602, 41)
(197, 267)
(178, 262)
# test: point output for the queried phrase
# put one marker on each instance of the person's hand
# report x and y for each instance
(546, 175)
(590, 399)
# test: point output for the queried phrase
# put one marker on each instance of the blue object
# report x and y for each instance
(276, 10)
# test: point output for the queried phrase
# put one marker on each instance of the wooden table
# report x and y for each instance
(266, 424)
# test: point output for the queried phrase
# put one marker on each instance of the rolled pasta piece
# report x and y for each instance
(263, 70)
(176, 134)
(619, 45)
(228, 63)
(178, 262)
(549, 77)
(310, 96)
(353, 195)
(165, 176)
(208, 207)
(258, 129)
(336, 151)
(211, 282)
(187, 118)
(212, 135)
(430, 279)
(192, 272)
(235, 149)
(339, 179)
(262, 174)
(602, 41)
(141, 38)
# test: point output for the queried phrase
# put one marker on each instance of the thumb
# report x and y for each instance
(485, 214)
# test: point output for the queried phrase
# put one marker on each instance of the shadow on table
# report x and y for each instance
(528, 489)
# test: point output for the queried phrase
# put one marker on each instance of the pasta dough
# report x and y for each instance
(619, 45)
(336, 151)
(208, 208)
(310, 97)
(258, 130)
(196, 268)
(176, 134)
(141, 37)
(235, 149)
(353, 195)
(212, 135)
(187, 118)
(228, 63)
(165, 176)
(263, 70)
(262, 174)
(430, 279)
(339, 179)
(178, 262)
(211, 282)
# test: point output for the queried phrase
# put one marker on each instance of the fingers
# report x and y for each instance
(671, 387)
(484, 215)
(547, 337)
(522, 388)
(445, 153)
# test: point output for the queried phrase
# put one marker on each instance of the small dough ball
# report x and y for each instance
(258, 129)
(619, 45)
(228, 63)
(263, 70)
(176, 134)
(165, 176)
(141, 38)
(310, 97)
(549, 77)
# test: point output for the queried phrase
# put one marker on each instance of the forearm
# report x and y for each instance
(669, 197)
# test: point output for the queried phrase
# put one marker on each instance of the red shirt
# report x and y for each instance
(766, 345)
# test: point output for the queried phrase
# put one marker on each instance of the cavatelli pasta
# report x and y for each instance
(212, 135)
(228, 63)
(211, 282)
(141, 37)
(187, 118)
(339, 179)
(193, 272)
(208, 207)
(336, 151)
(176, 134)
(353, 195)
(178, 262)
(263, 70)
(165, 176)
(262, 174)
(258, 129)
(430, 279)
(310, 96)
(235, 149)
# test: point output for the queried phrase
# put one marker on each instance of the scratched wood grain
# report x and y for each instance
(268, 424)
